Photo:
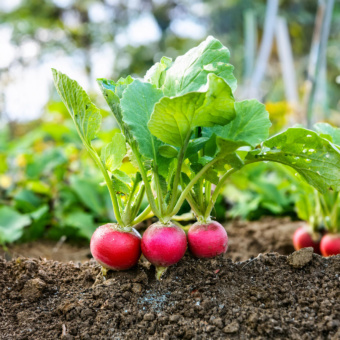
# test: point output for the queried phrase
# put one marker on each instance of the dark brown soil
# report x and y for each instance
(246, 240)
(262, 298)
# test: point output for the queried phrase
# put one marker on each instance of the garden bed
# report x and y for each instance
(265, 296)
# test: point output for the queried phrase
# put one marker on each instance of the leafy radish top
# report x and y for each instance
(183, 130)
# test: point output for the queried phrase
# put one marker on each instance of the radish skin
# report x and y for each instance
(207, 240)
(163, 244)
(302, 238)
(115, 249)
(330, 245)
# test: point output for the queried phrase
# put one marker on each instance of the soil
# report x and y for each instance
(268, 297)
(246, 240)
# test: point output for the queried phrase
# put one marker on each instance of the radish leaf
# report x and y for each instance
(113, 153)
(174, 118)
(315, 158)
(112, 93)
(325, 130)
(189, 72)
(251, 124)
(84, 113)
(155, 75)
(137, 104)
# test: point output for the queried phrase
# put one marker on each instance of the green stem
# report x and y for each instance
(113, 196)
(207, 189)
(138, 201)
(99, 163)
(148, 189)
(132, 208)
(158, 190)
(142, 216)
(217, 190)
(131, 196)
(200, 194)
(190, 185)
(193, 205)
(334, 214)
(178, 173)
(325, 210)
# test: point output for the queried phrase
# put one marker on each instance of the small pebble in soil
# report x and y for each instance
(301, 257)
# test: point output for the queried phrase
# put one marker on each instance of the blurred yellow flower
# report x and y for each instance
(21, 160)
(278, 114)
(5, 181)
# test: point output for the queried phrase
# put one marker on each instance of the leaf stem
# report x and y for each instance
(178, 173)
(334, 214)
(113, 196)
(145, 214)
(207, 192)
(217, 190)
(158, 190)
(148, 189)
(190, 185)
(193, 205)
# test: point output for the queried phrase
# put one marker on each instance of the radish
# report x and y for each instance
(114, 248)
(302, 238)
(207, 240)
(330, 244)
(163, 245)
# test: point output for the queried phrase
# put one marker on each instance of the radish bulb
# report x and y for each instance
(207, 240)
(163, 245)
(114, 248)
(302, 238)
(330, 244)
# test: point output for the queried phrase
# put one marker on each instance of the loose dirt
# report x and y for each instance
(262, 298)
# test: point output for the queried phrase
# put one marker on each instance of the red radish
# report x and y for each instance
(115, 249)
(303, 239)
(330, 244)
(207, 240)
(164, 244)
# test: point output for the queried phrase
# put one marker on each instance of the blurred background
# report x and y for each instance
(285, 53)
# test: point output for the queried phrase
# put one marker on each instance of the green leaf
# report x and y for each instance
(210, 175)
(315, 158)
(251, 124)
(137, 105)
(168, 151)
(84, 113)
(326, 131)
(173, 119)
(88, 192)
(195, 145)
(82, 221)
(189, 72)
(155, 75)
(11, 224)
(112, 93)
(121, 182)
(113, 153)
(27, 201)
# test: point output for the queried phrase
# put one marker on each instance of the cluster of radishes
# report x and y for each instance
(162, 244)
(326, 245)
(182, 131)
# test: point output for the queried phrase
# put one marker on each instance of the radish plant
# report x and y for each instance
(330, 201)
(126, 191)
(185, 132)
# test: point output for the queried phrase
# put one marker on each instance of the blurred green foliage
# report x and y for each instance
(48, 186)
